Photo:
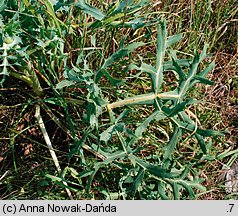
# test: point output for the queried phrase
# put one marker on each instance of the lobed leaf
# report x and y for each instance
(107, 134)
(184, 86)
(178, 69)
(202, 80)
(121, 53)
(158, 115)
(181, 106)
(158, 171)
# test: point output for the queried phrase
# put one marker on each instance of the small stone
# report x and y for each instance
(232, 179)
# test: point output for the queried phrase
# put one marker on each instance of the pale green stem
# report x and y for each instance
(49, 145)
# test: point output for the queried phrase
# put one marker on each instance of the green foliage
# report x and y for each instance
(167, 105)
(62, 50)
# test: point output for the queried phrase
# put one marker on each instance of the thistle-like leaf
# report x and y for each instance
(88, 9)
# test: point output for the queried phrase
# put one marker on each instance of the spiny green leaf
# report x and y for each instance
(193, 184)
(179, 70)
(121, 53)
(181, 106)
(4, 71)
(74, 173)
(161, 191)
(158, 115)
(132, 159)
(203, 54)
(158, 171)
(188, 189)
(93, 40)
(120, 6)
(171, 145)
(185, 173)
(93, 121)
(194, 66)
(2, 6)
(125, 145)
(227, 153)
(147, 68)
(168, 65)
(186, 118)
(107, 134)
(175, 190)
(136, 23)
(184, 86)
(157, 79)
(201, 143)
(65, 83)
(51, 12)
(114, 156)
(119, 13)
(211, 132)
(123, 114)
(137, 181)
(173, 39)
(205, 72)
(92, 174)
(192, 128)
(88, 9)
(113, 81)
